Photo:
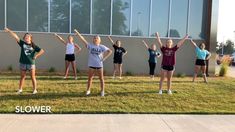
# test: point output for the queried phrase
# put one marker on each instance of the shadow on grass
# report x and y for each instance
(73, 95)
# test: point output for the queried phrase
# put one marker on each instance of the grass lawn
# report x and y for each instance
(129, 95)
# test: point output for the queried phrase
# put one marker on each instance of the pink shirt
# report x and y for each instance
(169, 57)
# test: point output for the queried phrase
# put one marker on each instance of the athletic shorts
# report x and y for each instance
(200, 62)
(117, 61)
(96, 68)
(168, 68)
(27, 67)
(70, 57)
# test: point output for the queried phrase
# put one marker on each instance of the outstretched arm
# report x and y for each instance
(158, 39)
(60, 38)
(78, 48)
(145, 44)
(39, 54)
(181, 42)
(111, 40)
(107, 54)
(192, 42)
(14, 35)
(81, 37)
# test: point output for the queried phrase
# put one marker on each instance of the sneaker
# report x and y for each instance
(160, 92)
(113, 77)
(35, 91)
(19, 91)
(76, 78)
(102, 94)
(169, 92)
(64, 77)
(88, 92)
(120, 77)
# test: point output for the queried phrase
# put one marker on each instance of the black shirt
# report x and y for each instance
(118, 52)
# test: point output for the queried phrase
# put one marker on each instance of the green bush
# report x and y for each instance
(182, 75)
(223, 70)
(128, 73)
(10, 68)
(52, 69)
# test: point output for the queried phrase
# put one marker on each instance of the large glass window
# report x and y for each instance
(101, 16)
(16, 15)
(2, 11)
(179, 14)
(38, 15)
(59, 16)
(81, 15)
(140, 17)
(121, 17)
(197, 21)
(160, 13)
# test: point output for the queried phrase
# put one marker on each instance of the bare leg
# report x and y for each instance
(66, 69)
(22, 78)
(203, 68)
(120, 70)
(91, 73)
(114, 70)
(74, 69)
(163, 72)
(196, 69)
(33, 77)
(101, 77)
(169, 78)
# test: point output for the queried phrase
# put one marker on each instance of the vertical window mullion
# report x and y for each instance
(169, 20)
(131, 11)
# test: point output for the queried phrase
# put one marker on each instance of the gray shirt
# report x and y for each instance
(96, 55)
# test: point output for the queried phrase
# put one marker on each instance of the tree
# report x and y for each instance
(227, 48)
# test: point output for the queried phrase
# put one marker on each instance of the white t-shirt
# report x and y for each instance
(70, 48)
(96, 55)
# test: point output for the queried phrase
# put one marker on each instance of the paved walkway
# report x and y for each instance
(117, 123)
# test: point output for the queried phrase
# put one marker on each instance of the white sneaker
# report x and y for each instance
(120, 77)
(19, 91)
(76, 78)
(160, 92)
(88, 93)
(102, 94)
(169, 92)
(64, 77)
(35, 91)
(113, 77)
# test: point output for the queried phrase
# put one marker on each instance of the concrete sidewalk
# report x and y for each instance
(117, 123)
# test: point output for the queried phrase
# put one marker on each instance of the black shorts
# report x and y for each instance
(168, 68)
(200, 62)
(70, 57)
(117, 61)
(96, 68)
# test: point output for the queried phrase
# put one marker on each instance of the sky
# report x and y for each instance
(226, 22)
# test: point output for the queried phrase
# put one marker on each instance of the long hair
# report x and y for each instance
(31, 38)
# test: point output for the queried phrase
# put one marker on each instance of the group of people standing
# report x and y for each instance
(98, 53)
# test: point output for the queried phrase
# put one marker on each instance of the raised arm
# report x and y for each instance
(181, 42)
(145, 44)
(111, 40)
(192, 42)
(158, 39)
(14, 35)
(78, 47)
(81, 37)
(107, 54)
(60, 38)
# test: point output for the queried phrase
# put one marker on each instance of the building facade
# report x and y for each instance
(130, 21)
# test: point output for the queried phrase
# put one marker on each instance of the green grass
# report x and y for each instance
(129, 95)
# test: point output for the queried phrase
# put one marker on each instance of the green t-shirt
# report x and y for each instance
(27, 53)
